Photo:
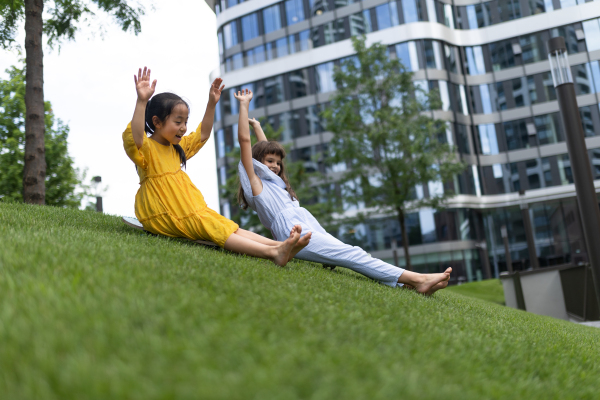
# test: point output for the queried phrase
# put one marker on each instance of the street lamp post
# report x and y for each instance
(504, 235)
(96, 185)
(580, 162)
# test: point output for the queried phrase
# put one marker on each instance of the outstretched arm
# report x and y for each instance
(260, 135)
(209, 116)
(244, 98)
(144, 91)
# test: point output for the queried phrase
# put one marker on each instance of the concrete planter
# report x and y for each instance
(564, 292)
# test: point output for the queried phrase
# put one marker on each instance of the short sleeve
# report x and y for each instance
(138, 156)
(192, 143)
(246, 186)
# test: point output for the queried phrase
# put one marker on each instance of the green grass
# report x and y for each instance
(92, 309)
(489, 290)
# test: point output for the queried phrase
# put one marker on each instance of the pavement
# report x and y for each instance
(595, 324)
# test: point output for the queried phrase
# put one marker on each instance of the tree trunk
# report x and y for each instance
(34, 172)
(404, 238)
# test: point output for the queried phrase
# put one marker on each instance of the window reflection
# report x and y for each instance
(271, 18)
(299, 83)
(249, 26)
(591, 29)
(407, 54)
(475, 62)
(411, 10)
(324, 77)
(487, 139)
(294, 11)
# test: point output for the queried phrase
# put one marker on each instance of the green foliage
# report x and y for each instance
(63, 181)
(382, 126)
(63, 17)
(93, 309)
(305, 184)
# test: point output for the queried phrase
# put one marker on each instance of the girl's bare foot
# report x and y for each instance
(283, 251)
(438, 286)
(302, 243)
(424, 283)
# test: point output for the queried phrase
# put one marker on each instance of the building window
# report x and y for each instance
(475, 62)
(282, 47)
(318, 7)
(271, 18)
(250, 26)
(220, 143)
(255, 55)
(591, 29)
(433, 54)
(479, 15)
(360, 23)
(451, 55)
(305, 40)
(488, 139)
(324, 77)
(411, 9)
(294, 11)
(387, 15)
(237, 61)
(407, 54)
(274, 90)
(509, 10)
(230, 34)
(299, 83)
(549, 128)
(502, 55)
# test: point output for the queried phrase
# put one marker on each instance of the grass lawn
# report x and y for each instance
(92, 309)
(490, 290)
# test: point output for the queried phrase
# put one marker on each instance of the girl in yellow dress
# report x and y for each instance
(167, 202)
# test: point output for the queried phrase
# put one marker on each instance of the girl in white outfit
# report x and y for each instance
(265, 189)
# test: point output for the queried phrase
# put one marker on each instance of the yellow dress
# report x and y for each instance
(167, 202)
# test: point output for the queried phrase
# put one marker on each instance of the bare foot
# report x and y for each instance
(438, 286)
(425, 283)
(302, 243)
(284, 249)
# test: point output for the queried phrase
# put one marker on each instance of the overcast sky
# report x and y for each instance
(90, 84)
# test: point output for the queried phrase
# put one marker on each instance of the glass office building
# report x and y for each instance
(489, 62)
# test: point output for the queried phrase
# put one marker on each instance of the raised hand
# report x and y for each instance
(243, 96)
(215, 91)
(142, 84)
(254, 123)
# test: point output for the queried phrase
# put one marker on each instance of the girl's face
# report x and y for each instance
(273, 162)
(172, 129)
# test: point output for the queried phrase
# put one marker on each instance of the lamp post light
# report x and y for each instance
(96, 185)
(580, 162)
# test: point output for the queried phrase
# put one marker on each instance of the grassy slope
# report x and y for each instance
(489, 290)
(91, 309)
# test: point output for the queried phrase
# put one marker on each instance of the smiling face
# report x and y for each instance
(172, 129)
(273, 162)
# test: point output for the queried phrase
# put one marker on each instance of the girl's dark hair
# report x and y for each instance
(259, 151)
(162, 106)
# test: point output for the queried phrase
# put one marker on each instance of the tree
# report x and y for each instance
(384, 133)
(306, 184)
(61, 23)
(62, 181)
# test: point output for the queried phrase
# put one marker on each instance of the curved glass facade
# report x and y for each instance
(497, 96)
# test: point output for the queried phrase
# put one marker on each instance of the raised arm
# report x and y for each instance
(209, 116)
(260, 135)
(244, 98)
(144, 91)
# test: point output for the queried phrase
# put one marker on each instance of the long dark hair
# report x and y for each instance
(161, 106)
(259, 151)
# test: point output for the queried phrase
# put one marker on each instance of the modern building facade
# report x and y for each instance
(489, 62)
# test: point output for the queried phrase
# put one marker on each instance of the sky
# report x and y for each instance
(90, 85)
